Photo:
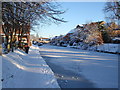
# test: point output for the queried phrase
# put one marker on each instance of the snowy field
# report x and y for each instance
(100, 68)
(21, 70)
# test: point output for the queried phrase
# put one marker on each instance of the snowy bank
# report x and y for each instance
(0, 72)
(111, 48)
(21, 70)
(107, 48)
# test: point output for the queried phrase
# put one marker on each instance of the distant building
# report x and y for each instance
(44, 40)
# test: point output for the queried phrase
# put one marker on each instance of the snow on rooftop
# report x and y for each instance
(81, 25)
(74, 30)
(71, 31)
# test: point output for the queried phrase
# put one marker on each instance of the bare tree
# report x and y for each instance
(112, 10)
(94, 32)
(17, 16)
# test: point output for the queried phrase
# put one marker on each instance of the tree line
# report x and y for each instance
(20, 17)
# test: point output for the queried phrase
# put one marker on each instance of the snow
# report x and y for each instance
(109, 48)
(21, 70)
(81, 25)
(116, 38)
(72, 31)
(99, 68)
(102, 70)
(0, 72)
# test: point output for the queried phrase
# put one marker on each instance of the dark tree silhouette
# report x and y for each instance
(112, 9)
(21, 16)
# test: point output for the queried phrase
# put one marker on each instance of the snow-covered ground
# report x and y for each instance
(99, 68)
(110, 48)
(21, 70)
(0, 72)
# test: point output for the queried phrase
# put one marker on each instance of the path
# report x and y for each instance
(81, 68)
(21, 70)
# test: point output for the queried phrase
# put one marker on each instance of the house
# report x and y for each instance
(94, 25)
(44, 40)
(73, 32)
(116, 32)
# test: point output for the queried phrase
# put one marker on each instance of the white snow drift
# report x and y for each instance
(21, 70)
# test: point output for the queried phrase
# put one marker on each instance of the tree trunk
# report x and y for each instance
(11, 42)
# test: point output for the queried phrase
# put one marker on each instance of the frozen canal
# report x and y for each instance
(75, 68)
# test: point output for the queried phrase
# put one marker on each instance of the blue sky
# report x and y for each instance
(77, 13)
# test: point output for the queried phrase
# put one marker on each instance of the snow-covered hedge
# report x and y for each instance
(112, 48)
(108, 48)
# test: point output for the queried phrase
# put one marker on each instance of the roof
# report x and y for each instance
(72, 31)
(43, 38)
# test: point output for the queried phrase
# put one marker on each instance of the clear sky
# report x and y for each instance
(77, 13)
